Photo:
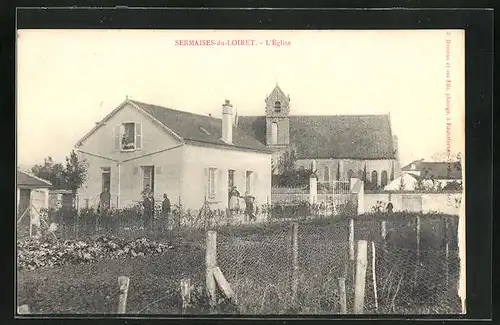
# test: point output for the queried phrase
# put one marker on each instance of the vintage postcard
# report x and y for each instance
(250, 172)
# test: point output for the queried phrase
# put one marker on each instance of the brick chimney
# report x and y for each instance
(227, 122)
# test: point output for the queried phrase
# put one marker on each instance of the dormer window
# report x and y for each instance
(413, 166)
(277, 106)
(128, 136)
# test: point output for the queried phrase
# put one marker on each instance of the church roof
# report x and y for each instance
(336, 136)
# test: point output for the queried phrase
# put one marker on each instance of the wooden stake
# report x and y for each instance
(23, 310)
(361, 263)
(447, 253)
(374, 277)
(185, 293)
(295, 260)
(123, 282)
(223, 284)
(343, 298)
(351, 239)
(418, 251)
(211, 263)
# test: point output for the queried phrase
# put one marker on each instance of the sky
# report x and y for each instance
(69, 79)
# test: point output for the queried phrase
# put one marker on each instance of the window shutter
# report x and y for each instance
(217, 177)
(116, 138)
(138, 135)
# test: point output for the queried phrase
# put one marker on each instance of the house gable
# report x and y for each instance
(150, 136)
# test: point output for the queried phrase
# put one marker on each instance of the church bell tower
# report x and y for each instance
(277, 119)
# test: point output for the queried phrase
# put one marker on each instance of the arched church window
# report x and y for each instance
(274, 133)
(327, 174)
(277, 106)
(383, 178)
(374, 178)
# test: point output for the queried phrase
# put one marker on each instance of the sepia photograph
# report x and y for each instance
(240, 172)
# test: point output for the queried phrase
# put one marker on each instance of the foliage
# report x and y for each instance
(288, 175)
(75, 172)
(453, 186)
(34, 253)
(50, 171)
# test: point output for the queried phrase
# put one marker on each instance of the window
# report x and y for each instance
(327, 174)
(249, 182)
(148, 177)
(413, 166)
(274, 133)
(230, 178)
(384, 178)
(128, 136)
(212, 184)
(374, 177)
(106, 178)
(277, 106)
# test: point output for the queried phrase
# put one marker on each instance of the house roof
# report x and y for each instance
(25, 179)
(436, 170)
(199, 128)
(189, 127)
(337, 136)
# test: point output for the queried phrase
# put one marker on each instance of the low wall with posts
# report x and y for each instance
(443, 202)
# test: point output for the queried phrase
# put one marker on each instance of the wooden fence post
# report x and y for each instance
(351, 239)
(361, 263)
(446, 261)
(343, 298)
(211, 264)
(418, 251)
(185, 293)
(295, 260)
(123, 282)
(374, 277)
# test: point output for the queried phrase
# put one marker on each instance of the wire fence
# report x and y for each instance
(298, 266)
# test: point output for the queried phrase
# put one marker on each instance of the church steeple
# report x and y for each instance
(277, 118)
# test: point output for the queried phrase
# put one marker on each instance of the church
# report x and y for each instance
(339, 146)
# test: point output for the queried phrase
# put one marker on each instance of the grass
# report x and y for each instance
(256, 260)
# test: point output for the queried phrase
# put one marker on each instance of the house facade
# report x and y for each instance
(189, 157)
(338, 147)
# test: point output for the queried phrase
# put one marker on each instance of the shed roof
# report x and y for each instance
(27, 180)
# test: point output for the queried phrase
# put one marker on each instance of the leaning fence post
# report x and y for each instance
(447, 252)
(211, 263)
(351, 248)
(361, 263)
(343, 298)
(295, 260)
(185, 293)
(123, 282)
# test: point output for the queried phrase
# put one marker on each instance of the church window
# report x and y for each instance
(374, 177)
(327, 174)
(274, 133)
(384, 178)
(277, 106)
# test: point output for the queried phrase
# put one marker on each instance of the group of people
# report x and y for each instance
(234, 203)
(148, 204)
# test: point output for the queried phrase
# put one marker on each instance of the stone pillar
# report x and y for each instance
(313, 189)
(361, 198)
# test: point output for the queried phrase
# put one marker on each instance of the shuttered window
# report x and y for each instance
(127, 137)
(212, 176)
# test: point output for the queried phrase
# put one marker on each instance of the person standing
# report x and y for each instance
(149, 206)
(249, 209)
(104, 205)
(234, 203)
(165, 209)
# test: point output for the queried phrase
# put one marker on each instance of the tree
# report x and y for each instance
(338, 171)
(402, 184)
(50, 171)
(392, 172)
(75, 172)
